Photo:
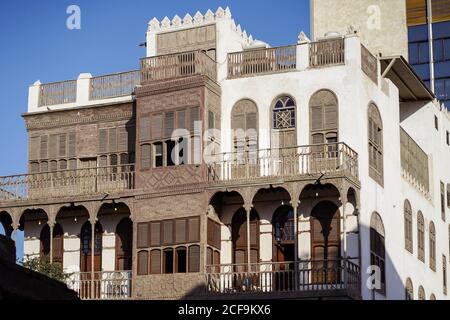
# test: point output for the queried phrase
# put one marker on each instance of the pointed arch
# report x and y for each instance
(283, 122)
(407, 212)
(375, 138)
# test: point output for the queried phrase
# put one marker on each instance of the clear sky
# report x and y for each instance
(35, 44)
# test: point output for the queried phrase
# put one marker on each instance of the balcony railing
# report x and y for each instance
(307, 278)
(57, 93)
(284, 163)
(261, 61)
(114, 85)
(177, 65)
(326, 53)
(67, 183)
(369, 64)
(106, 285)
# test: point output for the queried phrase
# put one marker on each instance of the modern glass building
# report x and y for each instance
(429, 44)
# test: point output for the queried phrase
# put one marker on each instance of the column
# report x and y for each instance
(92, 256)
(51, 225)
(248, 209)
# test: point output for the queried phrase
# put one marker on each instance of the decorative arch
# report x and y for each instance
(409, 290)
(377, 248)
(407, 212)
(375, 140)
(6, 221)
(284, 122)
(244, 125)
(420, 237)
(432, 239)
(324, 117)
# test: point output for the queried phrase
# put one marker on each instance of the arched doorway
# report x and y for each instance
(6, 224)
(124, 249)
(325, 242)
(239, 238)
(283, 234)
(58, 243)
(86, 250)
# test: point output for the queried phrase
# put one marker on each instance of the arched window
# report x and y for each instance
(432, 297)
(284, 123)
(377, 248)
(244, 125)
(409, 290)
(124, 248)
(323, 118)
(420, 237)
(448, 195)
(421, 293)
(375, 137)
(407, 211)
(142, 267)
(85, 247)
(432, 246)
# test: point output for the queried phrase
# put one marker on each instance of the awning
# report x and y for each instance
(409, 84)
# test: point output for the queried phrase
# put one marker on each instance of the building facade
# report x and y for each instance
(228, 168)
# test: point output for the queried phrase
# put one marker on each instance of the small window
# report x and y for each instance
(432, 239)
(194, 259)
(158, 155)
(284, 113)
(170, 153)
(34, 167)
(155, 262)
(436, 123)
(142, 263)
(142, 235)
(168, 261)
(420, 237)
(409, 290)
(181, 260)
(447, 138)
(421, 293)
(145, 156)
(442, 201)
(408, 226)
(377, 249)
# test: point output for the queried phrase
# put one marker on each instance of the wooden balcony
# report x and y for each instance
(179, 65)
(114, 85)
(261, 61)
(301, 279)
(287, 163)
(105, 285)
(81, 182)
(325, 53)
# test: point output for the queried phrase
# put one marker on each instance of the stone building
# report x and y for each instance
(228, 168)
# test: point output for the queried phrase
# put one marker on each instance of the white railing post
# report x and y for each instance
(83, 88)
(34, 92)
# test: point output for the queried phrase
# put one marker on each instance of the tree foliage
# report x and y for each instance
(43, 266)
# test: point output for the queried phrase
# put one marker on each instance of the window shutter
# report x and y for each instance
(194, 259)
(194, 117)
(144, 130)
(62, 145)
(34, 146)
(44, 166)
(103, 141)
(180, 231)
(155, 262)
(240, 257)
(251, 121)
(142, 263)
(209, 256)
(331, 116)
(72, 144)
(238, 122)
(53, 146)
(169, 124)
(316, 118)
(62, 165)
(73, 164)
(194, 229)
(156, 121)
(145, 156)
(168, 232)
(142, 235)
(112, 140)
(44, 147)
(103, 161)
(123, 139)
(181, 119)
(155, 234)
(216, 258)
(53, 166)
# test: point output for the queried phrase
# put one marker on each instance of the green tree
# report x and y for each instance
(43, 265)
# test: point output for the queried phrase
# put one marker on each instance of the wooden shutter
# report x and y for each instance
(34, 146)
(142, 263)
(72, 144)
(103, 141)
(169, 124)
(155, 234)
(73, 164)
(194, 259)
(53, 166)
(316, 118)
(194, 117)
(194, 229)
(62, 145)
(44, 166)
(142, 235)
(53, 146)
(103, 161)
(156, 122)
(331, 116)
(168, 232)
(240, 257)
(112, 139)
(209, 256)
(145, 156)
(144, 128)
(251, 121)
(238, 122)
(44, 147)
(216, 258)
(181, 119)
(62, 164)
(155, 262)
(122, 145)
(180, 231)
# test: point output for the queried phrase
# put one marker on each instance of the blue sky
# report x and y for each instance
(35, 44)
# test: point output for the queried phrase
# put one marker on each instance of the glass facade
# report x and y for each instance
(419, 45)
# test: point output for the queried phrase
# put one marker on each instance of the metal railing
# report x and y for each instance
(369, 64)
(326, 53)
(67, 183)
(285, 277)
(114, 85)
(285, 162)
(105, 285)
(261, 61)
(58, 93)
(177, 65)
